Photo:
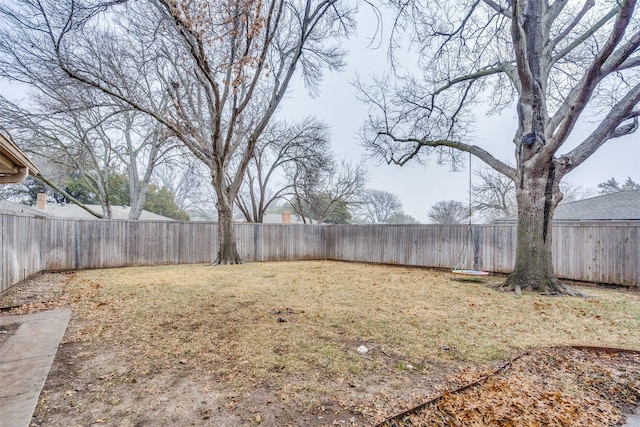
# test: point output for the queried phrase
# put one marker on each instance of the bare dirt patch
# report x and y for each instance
(276, 343)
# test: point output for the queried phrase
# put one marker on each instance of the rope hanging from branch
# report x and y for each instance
(462, 259)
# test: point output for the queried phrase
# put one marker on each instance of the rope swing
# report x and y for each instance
(462, 258)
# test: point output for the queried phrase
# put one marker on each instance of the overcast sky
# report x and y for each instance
(420, 186)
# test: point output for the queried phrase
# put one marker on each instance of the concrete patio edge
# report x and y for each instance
(25, 360)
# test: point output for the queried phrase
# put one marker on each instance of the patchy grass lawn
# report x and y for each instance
(275, 343)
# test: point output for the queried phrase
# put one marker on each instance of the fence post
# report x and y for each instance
(257, 255)
(76, 246)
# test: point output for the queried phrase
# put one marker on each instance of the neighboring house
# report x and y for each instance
(70, 211)
(278, 218)
(7, 207)
(270, 218)
(619, 206)
(14, 165)
(283, 218)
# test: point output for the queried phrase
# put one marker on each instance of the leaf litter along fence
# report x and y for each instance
(592, 252)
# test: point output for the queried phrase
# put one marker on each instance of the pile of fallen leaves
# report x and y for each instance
(550, 386)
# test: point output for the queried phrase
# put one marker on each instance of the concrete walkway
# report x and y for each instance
(25, 359)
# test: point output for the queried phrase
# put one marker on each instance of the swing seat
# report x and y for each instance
(471, 272)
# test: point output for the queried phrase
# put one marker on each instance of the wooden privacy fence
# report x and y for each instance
(604, 253)
(591, 252)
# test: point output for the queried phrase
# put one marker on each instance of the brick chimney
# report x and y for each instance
(286, 217)
(41, 201)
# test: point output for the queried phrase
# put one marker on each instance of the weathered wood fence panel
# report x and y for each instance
(102, 244)
(603, 253)
(277, 242)
(416, 245)
(20, 239)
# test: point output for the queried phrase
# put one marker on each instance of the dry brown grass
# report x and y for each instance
(275, 343)
(256, 322)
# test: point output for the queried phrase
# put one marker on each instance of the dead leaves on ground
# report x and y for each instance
(554, 386)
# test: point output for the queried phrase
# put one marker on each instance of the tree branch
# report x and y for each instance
(620, 56)
(501, 10)
(580, 96)
(479, 152)
(629, 63)
(67, 195)
(611, 127)
(590, 32)
(494, 69)
(556, 8)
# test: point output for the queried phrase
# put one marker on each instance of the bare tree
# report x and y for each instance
(448, 212)
(144, 145)
(557, 60)
(572, 192)
(326, 193)
(86, 132)
(282, 149)
(69, 127)
(494, 195)
(74, 139)
(185, 176)
(378, 207)
(226, 66)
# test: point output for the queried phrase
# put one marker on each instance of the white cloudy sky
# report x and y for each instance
(420, 186)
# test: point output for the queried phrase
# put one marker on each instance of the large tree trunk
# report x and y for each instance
(227, 248)
(537, 197)
(138, 196)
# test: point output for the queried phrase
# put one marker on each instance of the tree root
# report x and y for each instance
(236, 260)
(546, 286)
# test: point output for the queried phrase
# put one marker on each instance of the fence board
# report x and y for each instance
(594, 252)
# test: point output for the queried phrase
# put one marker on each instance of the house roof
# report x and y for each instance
(619, 206)
(71, 211)
(12, 160)
(16, 208)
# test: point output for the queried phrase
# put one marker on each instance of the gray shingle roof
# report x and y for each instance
(620, 206)
(71, 211)
(15, 208)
